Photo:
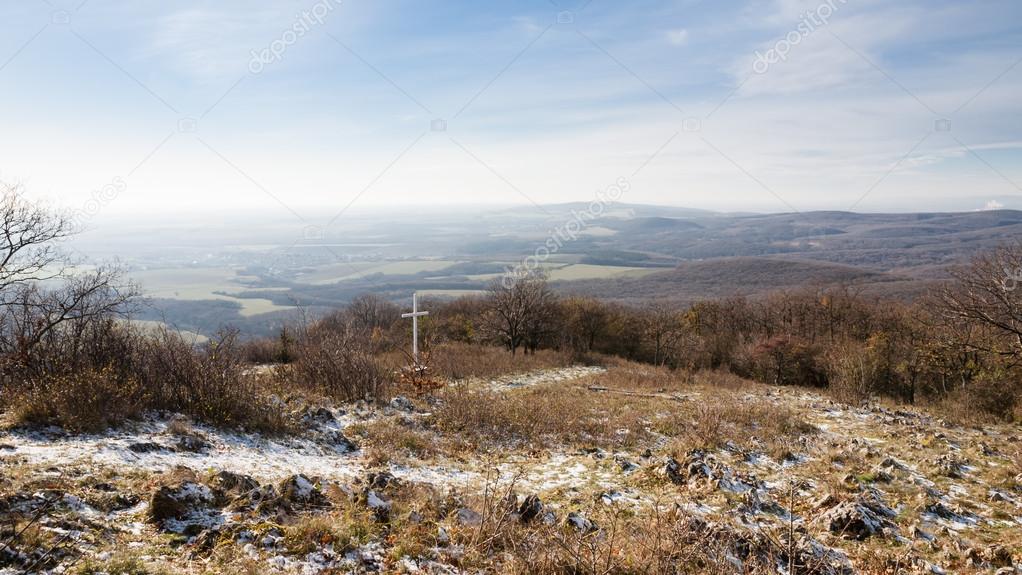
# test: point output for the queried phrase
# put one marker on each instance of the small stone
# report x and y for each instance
(179, 502)
(145, 447)
(854, 520)
(340, 442)
(380, 480)
(468, 517)
(301, 492)
(580, 523)
(672, 469)
(530, 508)
(379, 506)
(824, 501)
(997, 555)
(320, 415)
(234, 484)
(192, 444)
(625, 465)
(402, 403)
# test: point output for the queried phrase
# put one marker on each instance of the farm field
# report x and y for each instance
(156, 325)
(191, 284)
(333, 273)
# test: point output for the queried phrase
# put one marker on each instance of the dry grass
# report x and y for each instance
(628, 413)
(663, 540)
(386, 440)
(541, 418)
(122, 563)
(733, 420)
(345, 527)
(454, 361)
(632, 376)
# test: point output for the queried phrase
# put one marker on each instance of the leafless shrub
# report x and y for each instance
(333, 360)
(89, 400)
(119, 372)
(988, 292)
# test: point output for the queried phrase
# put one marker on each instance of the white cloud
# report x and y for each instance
(993, 205)
(678, 37)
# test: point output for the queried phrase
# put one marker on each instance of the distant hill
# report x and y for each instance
(898, 255)
(722, 277)
(633, 253)
(883, 242)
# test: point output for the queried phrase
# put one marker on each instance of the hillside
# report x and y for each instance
(725, 277)
(630, 469)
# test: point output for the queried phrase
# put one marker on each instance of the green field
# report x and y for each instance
(188, 283)
(208, 283)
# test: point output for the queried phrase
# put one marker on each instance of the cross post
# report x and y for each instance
(415, 315)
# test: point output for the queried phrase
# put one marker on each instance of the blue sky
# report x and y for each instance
(911, 105)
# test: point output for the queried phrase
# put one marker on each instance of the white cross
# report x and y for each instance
(415, 315)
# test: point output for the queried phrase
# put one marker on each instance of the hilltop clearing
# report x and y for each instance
(579, 469)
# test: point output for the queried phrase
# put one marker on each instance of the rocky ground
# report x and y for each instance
(794, 483)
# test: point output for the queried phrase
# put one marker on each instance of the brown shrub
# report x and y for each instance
(90, 400)
(994, 395)
(118, 372)
(785, 361)
(209, 384)
(335, 363)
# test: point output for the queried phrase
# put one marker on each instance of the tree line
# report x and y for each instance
(963, 342)
(66, 349)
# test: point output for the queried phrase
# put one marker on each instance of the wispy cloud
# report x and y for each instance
(678, 36)
(557, 114)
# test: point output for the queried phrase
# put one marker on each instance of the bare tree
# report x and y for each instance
(42, 294)
(988, 292)
(585, 320)
(664, 330)
(542, 318)
(370, 312)
(519, 311)
(28, 233)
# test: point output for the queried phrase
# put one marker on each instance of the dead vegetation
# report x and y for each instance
(699, 474)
